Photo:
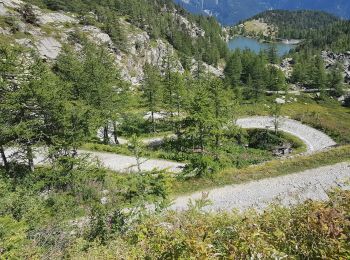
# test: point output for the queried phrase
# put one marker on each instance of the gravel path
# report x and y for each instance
(114, 162)
(314, 139)
(286, 190)
(123, 163)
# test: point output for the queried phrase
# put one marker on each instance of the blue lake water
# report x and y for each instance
(256, 46)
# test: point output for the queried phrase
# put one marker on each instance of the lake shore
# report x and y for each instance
(257, 45)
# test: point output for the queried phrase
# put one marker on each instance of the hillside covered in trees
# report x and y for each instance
(334, 37)
(296, 24)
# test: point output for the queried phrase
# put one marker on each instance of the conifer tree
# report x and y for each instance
(336, 80)
(233, 70)
(151, 92)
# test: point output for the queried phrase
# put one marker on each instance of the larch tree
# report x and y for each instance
(151, 92)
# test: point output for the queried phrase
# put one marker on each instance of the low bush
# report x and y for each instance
(313, 230)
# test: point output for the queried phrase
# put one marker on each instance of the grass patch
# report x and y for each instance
(327, 116)
(272, 168)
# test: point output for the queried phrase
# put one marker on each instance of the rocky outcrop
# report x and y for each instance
(3, 9)
(12, 3)
(331, 59)
(48, 47)
(141, 50)
(191, 29)
(96, 35)
(55, 17)
(287, 67)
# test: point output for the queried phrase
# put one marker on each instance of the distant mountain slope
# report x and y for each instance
(229, 12)
(294, 24)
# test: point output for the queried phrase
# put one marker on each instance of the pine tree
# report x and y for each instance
(319, 77)
(336, 80)
(151, 92)
(27, 103)
(100, 79)
(276, 79)
(272, 54)
(233, 70)
(222, 109)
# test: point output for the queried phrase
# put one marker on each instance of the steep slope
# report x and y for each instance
(133, 44)
(230, 12)
(160, 19)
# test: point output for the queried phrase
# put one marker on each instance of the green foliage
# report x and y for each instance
(334, 37)
(250, 74)
(264, 140)
(151, 91)
(312, 230)
(296, 24)
(309, 71)
(13, 239)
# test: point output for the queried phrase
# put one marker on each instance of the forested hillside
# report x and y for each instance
(296, 24)
(334, 37)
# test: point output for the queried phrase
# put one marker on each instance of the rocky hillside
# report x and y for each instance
(48, 31)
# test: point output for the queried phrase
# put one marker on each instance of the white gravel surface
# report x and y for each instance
(314, 139)
(123, 163)
(114, 162)
(286, 190)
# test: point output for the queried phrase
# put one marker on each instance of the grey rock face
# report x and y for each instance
(12, 3)
(48, 47)
(97, 35)
(3, 10)
(45, 18)
(4, 31)
(331, 58)
(190, 28)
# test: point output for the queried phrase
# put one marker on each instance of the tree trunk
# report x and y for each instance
(105, 134)
(276, 124)
(30, 157)
(153, 122)
(201, 138)
(4, 159)
(115, 134)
